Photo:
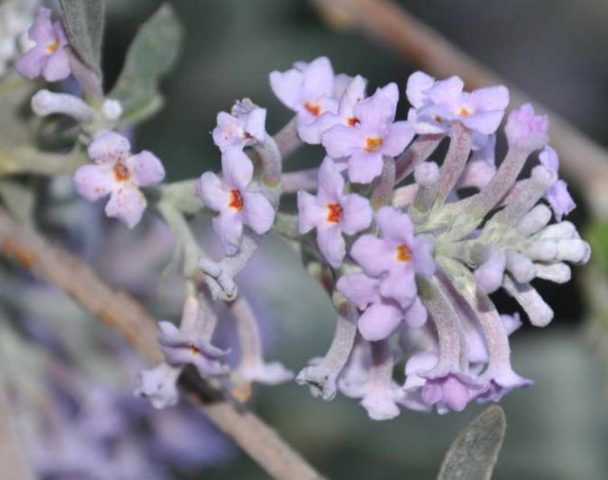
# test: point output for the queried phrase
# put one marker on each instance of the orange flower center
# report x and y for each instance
(195, 350)
(52, 47)
(373, 143)
(464, 111)
(352, 121)
(313, 108)
(236, 200)
(438, 118)
(121, 172)
(404, 254)
(334, 212)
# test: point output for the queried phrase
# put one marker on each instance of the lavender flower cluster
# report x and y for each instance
(409, 250)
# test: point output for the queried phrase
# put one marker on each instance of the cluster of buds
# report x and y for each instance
(409, 249)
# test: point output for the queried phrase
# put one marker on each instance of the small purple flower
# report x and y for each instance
(380, 315)
(525, 130)
(396, 257)
(447, 391)
(48, 57)
(437, 104)
(353, 94)
(235, 200)
(558, 196)
(159, 385)
(117, 173)
(332, 213)
(373, 136)
(245, 126)
(307, 89)
(481, 168)
(185, 347)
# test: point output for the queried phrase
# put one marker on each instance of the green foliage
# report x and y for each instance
(150, 56)
(597, 235)
(84, 22)
(474, 452)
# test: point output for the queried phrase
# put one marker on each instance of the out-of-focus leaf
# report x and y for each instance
(597, 236)
(15, 94)
(19, 160)
(474, 452)
(19, 199)
(150, 56)
(84, 23)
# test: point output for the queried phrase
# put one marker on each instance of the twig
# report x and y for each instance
(123, 314)
(584, 161)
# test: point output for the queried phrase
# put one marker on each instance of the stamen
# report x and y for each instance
(334, 213)
(121, 172)
(352, 121)
(236, 200)
(464, 111)
(313, 108)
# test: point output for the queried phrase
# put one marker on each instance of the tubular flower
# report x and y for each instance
(117, 173)
(236, 199)
(48, 57)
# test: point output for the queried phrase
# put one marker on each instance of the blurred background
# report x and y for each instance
(555, 50)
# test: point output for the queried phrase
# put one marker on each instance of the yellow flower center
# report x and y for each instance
(373, 143)
(52, 47)
(404, 254)
(464, 111)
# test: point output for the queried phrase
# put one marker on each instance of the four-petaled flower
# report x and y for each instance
(396, 257)
(437, 104)
(307, 89)
(372, 136)
(48, 57)
(117, 173)
(236, 200)
(244, 126)
(332, 213)
(184, 347)
(345, 115)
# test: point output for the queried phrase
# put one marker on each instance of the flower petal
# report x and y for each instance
(127, 204)
(379, 321)
(94, 181)
(257, 212)
(146, 168)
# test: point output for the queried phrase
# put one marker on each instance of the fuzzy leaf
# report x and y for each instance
(84, 23)
(474, 452)
(150, 56)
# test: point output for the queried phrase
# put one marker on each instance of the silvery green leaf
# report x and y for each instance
(84, 23)
(474, 452)
(15, 94)
(150, 56)
(19, 199)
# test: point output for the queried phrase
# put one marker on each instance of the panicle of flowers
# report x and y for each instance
(423, 256)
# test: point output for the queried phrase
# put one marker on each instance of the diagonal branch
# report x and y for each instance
(122, 313)
(584, 161)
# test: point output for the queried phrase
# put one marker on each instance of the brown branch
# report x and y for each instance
(122, 313)
(584, 161)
